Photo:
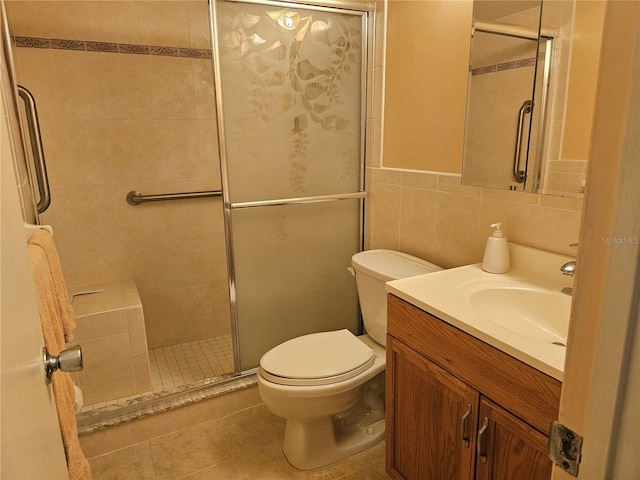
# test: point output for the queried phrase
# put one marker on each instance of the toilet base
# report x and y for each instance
(314, 443)
(310, 445)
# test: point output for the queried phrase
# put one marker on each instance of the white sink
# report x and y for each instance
(523, 312)
(536, 313)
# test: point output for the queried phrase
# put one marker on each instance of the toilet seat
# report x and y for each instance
(317, 359)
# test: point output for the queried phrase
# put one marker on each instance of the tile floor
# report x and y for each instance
(189, 362)
(203, 441)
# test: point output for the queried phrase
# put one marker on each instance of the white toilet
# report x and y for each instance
(329, 386)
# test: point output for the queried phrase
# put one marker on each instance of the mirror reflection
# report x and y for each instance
(506, 96)
(530, 95)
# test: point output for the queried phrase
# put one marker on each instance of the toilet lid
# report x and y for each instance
(317, 359)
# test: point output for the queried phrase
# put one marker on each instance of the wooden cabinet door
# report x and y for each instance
(425, 410)
(509, 448)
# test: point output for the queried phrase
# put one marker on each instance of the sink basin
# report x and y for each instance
(539, 314)
(522, 312)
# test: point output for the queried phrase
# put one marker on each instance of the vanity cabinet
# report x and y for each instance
(460, 409)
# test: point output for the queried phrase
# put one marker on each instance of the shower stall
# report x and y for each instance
(215, 193)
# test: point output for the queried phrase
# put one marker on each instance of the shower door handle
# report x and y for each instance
(520, 175)
(35, 139)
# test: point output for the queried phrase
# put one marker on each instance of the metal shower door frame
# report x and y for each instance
(333, 6)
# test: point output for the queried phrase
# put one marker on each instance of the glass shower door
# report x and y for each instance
(290, 91)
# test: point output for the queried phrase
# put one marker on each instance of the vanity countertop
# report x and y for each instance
(502, 309)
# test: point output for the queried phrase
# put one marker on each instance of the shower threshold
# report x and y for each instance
(180, 374)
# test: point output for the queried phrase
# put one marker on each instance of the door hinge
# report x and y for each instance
(565, 447)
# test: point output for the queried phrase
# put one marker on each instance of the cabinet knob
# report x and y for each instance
(69, 360)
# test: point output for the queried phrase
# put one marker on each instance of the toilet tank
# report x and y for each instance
(372, 269)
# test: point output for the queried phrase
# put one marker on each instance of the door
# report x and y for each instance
(290, 85)
(508, 448)
(30, 442)
(432, 420)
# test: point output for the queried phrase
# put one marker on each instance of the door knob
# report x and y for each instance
(69, 360)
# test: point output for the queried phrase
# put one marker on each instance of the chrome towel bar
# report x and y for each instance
(136, 198)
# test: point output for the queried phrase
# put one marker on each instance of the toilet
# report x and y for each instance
(329, 386)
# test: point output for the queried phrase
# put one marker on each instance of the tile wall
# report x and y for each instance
(125, 98)
(436, 218)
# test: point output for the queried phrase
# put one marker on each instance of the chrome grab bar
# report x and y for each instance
(136, 198)
(298, 200)
(40, 167)
(520, 175)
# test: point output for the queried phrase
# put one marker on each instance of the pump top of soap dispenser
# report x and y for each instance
(498, 233)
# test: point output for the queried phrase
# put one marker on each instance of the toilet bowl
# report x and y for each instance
(329, 386)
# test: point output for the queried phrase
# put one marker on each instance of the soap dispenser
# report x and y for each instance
(496, 253)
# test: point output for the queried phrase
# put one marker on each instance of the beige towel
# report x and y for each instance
(54, 311)
(44, 240)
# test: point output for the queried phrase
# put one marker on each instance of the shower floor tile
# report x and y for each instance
(185, 363)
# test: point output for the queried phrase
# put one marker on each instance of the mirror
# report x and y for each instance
(531, 92)
(506, 96)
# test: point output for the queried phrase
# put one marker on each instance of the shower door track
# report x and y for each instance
(294, 201)
(337, 6)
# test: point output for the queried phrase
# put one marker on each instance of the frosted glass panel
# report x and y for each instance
(291, 273)
(291, 90)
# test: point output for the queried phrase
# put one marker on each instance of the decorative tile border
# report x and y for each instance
(106, 47)
(499, 67)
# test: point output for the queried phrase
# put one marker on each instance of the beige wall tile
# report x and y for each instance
(160, 316)
(427, 181)
(108, 371)
(452, 184)
(418, 222)
(518, 222)
(137, 334)
(141, 372)
(66, 19)
(83, 203)
(24, 19)
(75, 88)
(562, 203)
(456, 229)
(384, 202)
(125, 85)
(511, 196)
(91, 327)
(165, 23)
(383, 175)
(171, 87)
(194, 315)
(198, 13)
(204, 94)
(118, 21)
(100, 262)
(86, 152)
(556, 229)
